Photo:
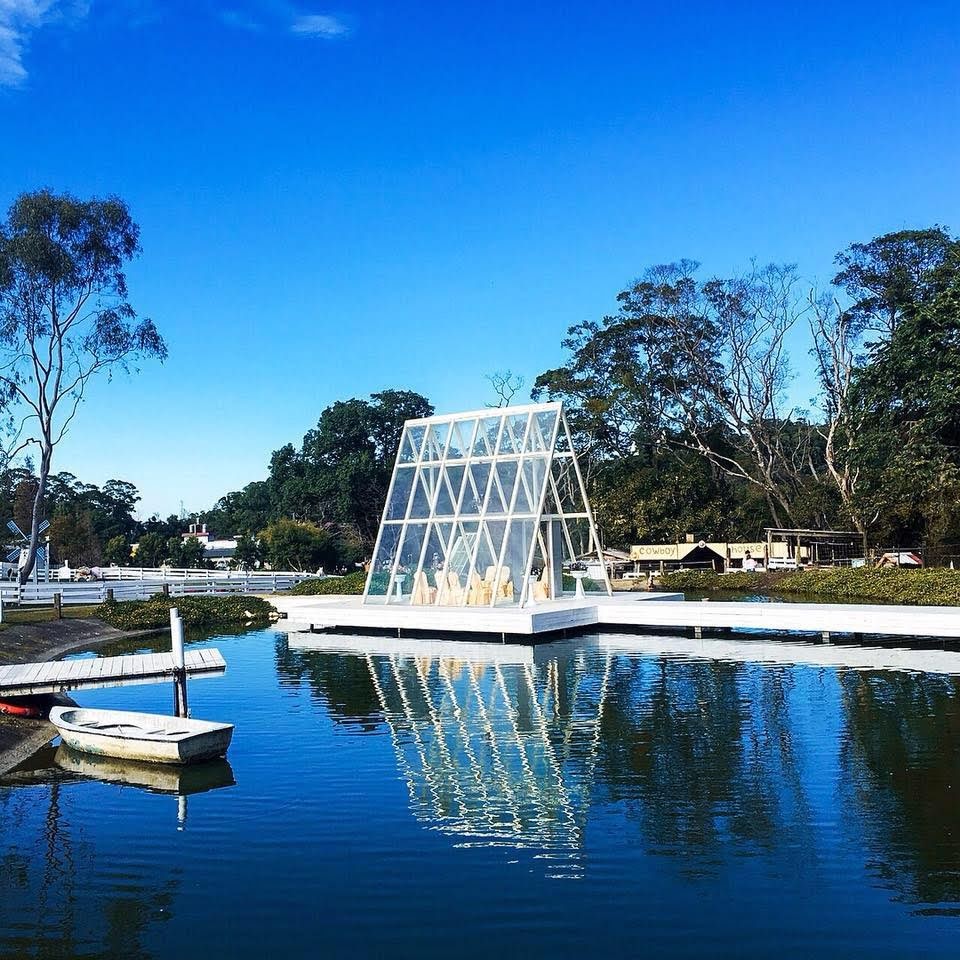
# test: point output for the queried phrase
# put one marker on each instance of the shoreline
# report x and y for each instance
(40, 642)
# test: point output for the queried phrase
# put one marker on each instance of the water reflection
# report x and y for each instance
(901, 779)
(708, 758)
(496, 748)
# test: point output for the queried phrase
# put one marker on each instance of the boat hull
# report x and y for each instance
(130, 736)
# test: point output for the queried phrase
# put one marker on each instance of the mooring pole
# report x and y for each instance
(179, 669)
(58, 606)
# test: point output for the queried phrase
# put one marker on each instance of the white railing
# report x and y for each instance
(208, 583)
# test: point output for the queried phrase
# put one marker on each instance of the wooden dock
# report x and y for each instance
(59, 676)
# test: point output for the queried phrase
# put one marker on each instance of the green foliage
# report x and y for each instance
(248, 552)
(338, 476)
(298, 545)
(116, 551)
(186, 552)
(195, 611)
(65, 314)
(350, 585)
(73, 539)
(928, 586)
(151, 550)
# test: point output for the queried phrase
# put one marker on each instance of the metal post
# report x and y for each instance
(180, 708)
(166, 589)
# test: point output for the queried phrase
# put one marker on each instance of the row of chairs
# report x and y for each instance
(451, 592)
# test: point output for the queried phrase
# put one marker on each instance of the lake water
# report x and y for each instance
(592, 798)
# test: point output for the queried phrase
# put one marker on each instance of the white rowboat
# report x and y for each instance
(148, 737)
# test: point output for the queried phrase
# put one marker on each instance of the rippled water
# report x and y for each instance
(612, 796)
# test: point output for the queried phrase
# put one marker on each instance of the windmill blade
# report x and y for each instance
(13, 528)
(43, 526)
(13, 556)
(41, 556)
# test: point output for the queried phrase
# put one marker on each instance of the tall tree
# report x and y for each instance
(888, 275)
(64, 317)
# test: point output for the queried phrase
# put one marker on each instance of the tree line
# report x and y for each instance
(684, 400)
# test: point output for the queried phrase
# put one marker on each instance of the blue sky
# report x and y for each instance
(337, 200)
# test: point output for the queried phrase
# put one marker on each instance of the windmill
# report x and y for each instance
(18, 554)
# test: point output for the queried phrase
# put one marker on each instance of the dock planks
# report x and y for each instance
(59, 676)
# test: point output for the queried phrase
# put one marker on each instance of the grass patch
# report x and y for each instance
(13, 616)
(350, 585)
(196, 611)
(923, 587)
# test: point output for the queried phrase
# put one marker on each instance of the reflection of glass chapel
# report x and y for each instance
(484, 509)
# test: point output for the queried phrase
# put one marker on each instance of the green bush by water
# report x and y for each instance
(352, 584)
(195, 611)
(924, 587)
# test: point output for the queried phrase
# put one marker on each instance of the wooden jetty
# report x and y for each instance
(662, 611)
(59, 676)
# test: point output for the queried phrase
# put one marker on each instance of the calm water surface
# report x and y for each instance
(582, 799)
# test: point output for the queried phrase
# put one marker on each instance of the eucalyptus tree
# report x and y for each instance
(65, 318)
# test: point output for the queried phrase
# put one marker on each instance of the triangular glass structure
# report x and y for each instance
(485, 509)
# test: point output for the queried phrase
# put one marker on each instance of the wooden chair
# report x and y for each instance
(541, 589)
(503, 589)
(479, 592)
(423, 594)
(450, 591)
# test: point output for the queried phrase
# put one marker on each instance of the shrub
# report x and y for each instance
(195, 611)
(351, 584)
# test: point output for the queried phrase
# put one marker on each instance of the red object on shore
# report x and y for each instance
(23, 708)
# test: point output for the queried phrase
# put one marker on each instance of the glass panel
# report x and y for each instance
(519, 541)
(486, 442)
(416, 439)
(550, 505)
(507, 475)
(514, 430)
(475, 488)
(568, 488)
(445, 499)
(544, 424)
(495, 531)
(523, 503)
(403, 581)
(436, 441)
(423, 584)
(420, 508)
(402, 483)
(539, 586)
(450, 489)
(460, 439)
(563, 444)
(495, 499)
(535, 473)
(588, 563)
(407, 453)
(383, 562)
(479, 585)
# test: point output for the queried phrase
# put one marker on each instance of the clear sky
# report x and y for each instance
(338, 200)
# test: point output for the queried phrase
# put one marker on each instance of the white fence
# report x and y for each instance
(126, 583)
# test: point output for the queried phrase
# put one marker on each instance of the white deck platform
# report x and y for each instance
(659, 610)
(59, 676)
